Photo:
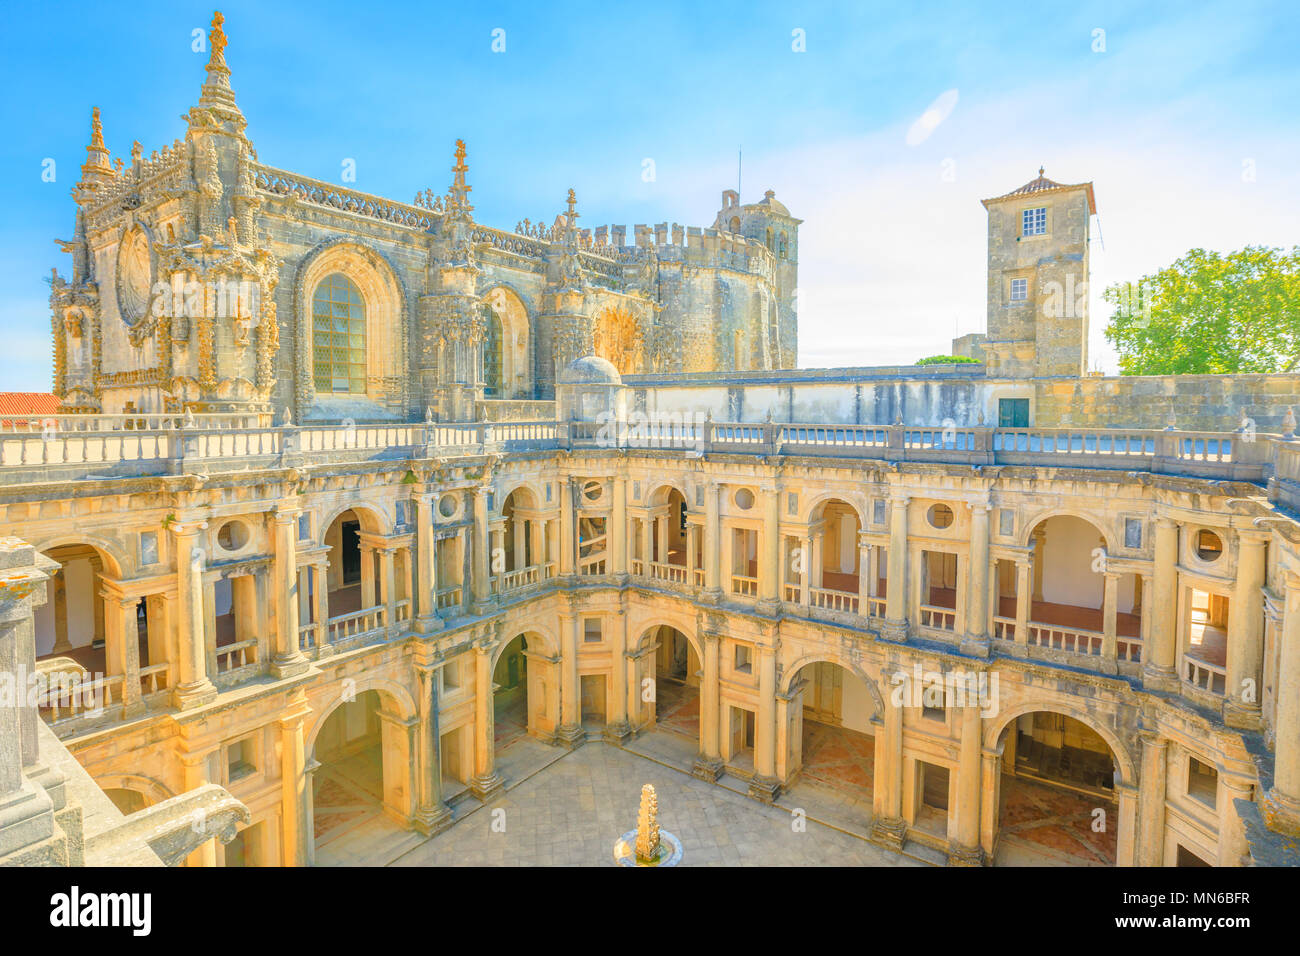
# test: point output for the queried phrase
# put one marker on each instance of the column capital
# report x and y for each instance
(188, 527)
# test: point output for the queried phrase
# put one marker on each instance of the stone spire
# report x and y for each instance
(458, 206)
(97, 167)
(571, 217)
(217, 107)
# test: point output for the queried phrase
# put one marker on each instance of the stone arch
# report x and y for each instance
(152, 790)
(522, 485)
(1124, 763)
(117, 563)
(386, 304)
(818, 657)
(374, 519)
(545, 641)
(663, 489)
(511, 310)
(645, 631)
(1027, 532)
(396, 698)
(824, 498)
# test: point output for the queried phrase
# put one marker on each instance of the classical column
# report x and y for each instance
(568, 529)
(1126, 824)
(388, 588)
(1024, 578)
(712, 544)
(518, 531)
(122, 642)
(965, 849)
(618, 528)
(431, 814)
(497, 547)
(990, 799)
(1040, 566)
(295, 819)
(367, 575)
(320, 599)
(1158, 654)
(1151, 800)
(193, 687)
(896, 583)
(485, 783)
(864, 577)
(618, 729)
(977, 602)
(661, 534)
(570, 732)
(1233, 848)
(769, 567)
(479, 565)
(1241, 706)
(708, 764)
(1283, 804)
(1109, 621)
(764, 786)
(289, 659)
(889, 828)
(426, 565)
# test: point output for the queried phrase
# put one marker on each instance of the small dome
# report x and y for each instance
(590, 370)
(771, 202)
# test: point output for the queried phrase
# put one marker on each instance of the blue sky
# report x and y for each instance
(1164, 121)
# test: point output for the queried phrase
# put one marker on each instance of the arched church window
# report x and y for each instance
(492, 353)
(735, 224)
(338, 316)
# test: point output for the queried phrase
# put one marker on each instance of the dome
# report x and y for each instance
(590, 370)
(771, 202)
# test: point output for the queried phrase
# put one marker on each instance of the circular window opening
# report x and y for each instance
(447, 506)
(744, 499)
(232, 535)
(1209, 546)
(592, 490)
(939, 516)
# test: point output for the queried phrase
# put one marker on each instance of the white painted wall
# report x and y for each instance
(1068, 576)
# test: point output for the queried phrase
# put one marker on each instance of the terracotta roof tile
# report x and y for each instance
(28, 403)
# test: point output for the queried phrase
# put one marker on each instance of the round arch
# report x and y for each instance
(663, 491)
(393, 696)
(819, 503)
(153, 791)
(372, 518)
(545, 642)
(521, 486)
(691, 639)
(994, 728)
(1027, 532)
(818, 658)
(508, 305)
(116, 562)
(386, 316)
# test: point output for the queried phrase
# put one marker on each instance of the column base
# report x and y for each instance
(975, 647)
(711, 596)
(27, 822)
(429, 624)
(764, 789)
(1242, 716)
(431, 821)
(894, 631)
(1159, 678)
(486, 786)
(768, 607)
(708, 769)
(620, 579)
(482, 608)
(290, 666)
(889, 832)
(196, 694)
(571, 736)
(617, 732)
(959, 855)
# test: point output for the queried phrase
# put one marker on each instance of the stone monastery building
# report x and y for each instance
(350, 492)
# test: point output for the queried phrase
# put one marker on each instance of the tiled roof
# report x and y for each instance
(28, 403)
(1041, 185)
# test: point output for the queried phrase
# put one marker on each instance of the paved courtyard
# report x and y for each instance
(571, 812)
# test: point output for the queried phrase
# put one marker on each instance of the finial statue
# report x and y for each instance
(428, 414)
(1040, 171)
(288, 418)
(96, 129)
(216, 38)
(1288, 424)
(647, 826)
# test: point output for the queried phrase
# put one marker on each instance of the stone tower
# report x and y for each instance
(1038, 280)
(768, 221)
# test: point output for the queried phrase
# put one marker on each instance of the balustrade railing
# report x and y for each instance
(747, 586)
(345, 627)
(153, 680)
(1204, 675)
(831, 600)
(1004, 628)
(450, 598)
(1072, 639)
(232, 657)
(673, 573)
(67, 697)
(939, 618)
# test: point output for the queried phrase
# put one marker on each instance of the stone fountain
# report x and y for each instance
(648, 845)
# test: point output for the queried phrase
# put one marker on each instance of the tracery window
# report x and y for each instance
(338, 336)
(492, 360)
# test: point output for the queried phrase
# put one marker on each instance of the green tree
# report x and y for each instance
(947, 360)
(1209, 313)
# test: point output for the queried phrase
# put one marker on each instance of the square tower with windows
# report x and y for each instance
(1038, 280)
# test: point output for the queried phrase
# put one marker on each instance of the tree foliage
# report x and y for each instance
(947, 360)
(1210, 313)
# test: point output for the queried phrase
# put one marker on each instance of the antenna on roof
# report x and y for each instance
(740, 156)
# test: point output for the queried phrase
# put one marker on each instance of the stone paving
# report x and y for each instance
(571, 813)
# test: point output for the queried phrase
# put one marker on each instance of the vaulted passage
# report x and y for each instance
(829, 740)
(1057, 804)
